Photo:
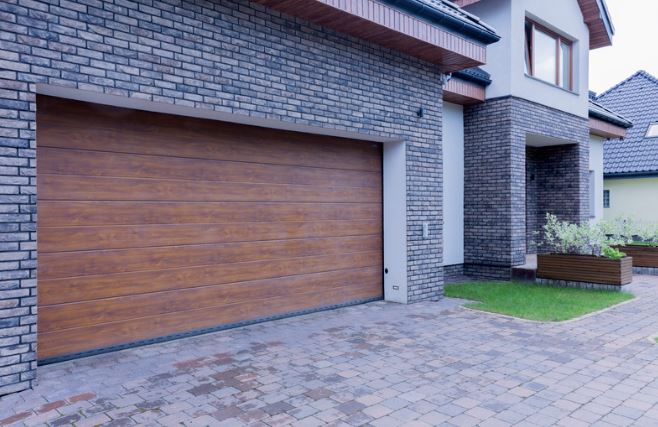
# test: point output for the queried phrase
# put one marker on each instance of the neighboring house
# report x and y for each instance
(631, 165)
(605, 125)
(203, 165)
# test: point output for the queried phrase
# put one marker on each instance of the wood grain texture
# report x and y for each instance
(582, 268)
(152, 225)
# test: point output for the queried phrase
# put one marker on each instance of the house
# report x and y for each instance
(631, 165)
(605, 125)
(204, 165)
(525, 134)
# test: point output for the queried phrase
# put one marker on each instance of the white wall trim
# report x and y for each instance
(453, 184)
(395, 172)
(395, 222)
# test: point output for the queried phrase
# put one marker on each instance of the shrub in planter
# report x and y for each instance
(583, 253)
(639, 240)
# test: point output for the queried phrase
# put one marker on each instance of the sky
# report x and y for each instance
(634, 46)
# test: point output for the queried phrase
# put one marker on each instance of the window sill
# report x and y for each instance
(551, 84)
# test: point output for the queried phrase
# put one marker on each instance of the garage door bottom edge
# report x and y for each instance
(196, 332)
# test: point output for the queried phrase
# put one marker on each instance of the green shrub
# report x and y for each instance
(613, 253)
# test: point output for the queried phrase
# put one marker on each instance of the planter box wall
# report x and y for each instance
(583, 268)
(643, 256)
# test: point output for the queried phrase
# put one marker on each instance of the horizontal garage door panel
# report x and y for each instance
(147, 133)
(75, 187)
(152, 225)
(87, 313)
(71, 264)
(64, 239)
(71, 213)
(84, 288)
(60, 161)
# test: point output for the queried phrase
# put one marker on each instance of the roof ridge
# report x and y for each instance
(640, 73)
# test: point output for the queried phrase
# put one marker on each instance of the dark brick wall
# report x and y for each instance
(452, 273)
(224, 55)
(557, 191)
(531, 199)
(495, 179)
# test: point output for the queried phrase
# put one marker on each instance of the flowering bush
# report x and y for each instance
(562, 237)
(626, 231)
(647, 234)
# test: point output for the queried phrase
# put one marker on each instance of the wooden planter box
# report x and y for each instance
(585, 268)
(643, 256)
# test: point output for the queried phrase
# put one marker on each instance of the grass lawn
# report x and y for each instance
(534, 302)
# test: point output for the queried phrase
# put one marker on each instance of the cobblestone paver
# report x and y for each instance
(377, 364)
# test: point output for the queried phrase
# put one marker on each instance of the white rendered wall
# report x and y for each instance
(506, 58)
(395, 222)
(596, 165)
(453, 184)
(632, 197)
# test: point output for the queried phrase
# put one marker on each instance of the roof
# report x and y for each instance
(449, 15)
(475, 75)
(636, 99)
(598, 111)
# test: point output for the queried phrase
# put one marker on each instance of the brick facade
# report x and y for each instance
(495, 173)
(228, 56)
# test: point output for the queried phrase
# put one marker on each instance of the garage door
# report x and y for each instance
(152, 225)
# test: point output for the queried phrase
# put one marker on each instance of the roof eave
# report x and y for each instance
(612, 120)
(395, 28)
(446, 20)
(639, 174)
(597, 18)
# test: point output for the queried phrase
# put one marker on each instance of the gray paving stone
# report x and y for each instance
(414, 366)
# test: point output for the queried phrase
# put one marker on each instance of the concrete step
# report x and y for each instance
(522, 274)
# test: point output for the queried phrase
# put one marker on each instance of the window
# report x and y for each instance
(548, 56)
(652, 132)
(606, 198)
(592, 194)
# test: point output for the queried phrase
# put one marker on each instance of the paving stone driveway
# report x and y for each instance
(375, 364)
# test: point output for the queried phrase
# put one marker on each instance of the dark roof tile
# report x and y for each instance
(636, 99)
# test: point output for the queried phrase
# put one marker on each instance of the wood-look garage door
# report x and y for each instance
(152, 225)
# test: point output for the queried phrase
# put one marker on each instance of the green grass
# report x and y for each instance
(534, 302)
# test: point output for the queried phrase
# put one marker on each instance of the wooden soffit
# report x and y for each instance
(594, 15)
(600, 28)
(460, 91)
(388, 27)
(606, 130)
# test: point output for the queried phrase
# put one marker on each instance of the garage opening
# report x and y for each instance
(152, 225)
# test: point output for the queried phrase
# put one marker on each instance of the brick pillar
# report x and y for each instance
(17, 236)
(494, 190)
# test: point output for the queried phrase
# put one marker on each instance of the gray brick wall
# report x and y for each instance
(495, 236)
(453, 273)
(224, 55)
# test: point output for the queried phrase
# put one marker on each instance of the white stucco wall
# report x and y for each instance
(506, 58)
(596, 165)
(633, 197)
(453, 184)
